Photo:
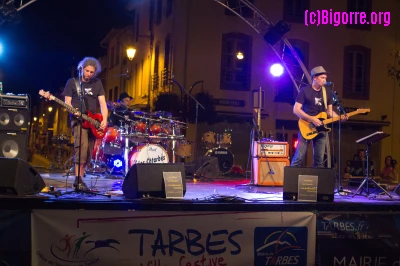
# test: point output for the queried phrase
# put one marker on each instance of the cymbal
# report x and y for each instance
(134, 112)
(111, 105)
(178, 122)
(161, 113)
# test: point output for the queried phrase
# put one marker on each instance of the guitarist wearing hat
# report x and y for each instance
(93, 92)
(311, 101)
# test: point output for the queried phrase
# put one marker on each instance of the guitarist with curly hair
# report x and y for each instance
(312, 101)
(92, 91)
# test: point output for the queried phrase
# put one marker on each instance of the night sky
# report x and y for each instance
(50, 37)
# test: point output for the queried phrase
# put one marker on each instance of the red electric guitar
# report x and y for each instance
(91, 121)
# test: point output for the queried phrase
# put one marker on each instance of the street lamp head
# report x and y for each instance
(130, 52)
(50, 108)
(239, 55)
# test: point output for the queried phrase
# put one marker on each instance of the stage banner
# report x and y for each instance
(15, 237)
(359, 239)
(144, 238)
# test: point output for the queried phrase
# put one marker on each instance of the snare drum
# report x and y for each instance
(148, 153)
(112, 142)
(183, 149)
(209, 139)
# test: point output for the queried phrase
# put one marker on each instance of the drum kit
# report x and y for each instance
(217, 145)
(140, 137)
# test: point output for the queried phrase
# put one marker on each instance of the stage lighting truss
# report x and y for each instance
(10, 8)
(262, 25)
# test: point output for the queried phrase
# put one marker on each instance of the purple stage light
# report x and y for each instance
(276, 70)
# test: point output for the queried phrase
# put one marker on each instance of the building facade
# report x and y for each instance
(196, 43)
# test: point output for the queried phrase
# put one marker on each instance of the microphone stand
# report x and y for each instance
(197, 113)
(341, 111)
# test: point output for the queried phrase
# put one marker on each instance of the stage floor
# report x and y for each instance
(224, 194)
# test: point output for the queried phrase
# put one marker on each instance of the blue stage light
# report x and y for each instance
(116, 163)
(276, 70)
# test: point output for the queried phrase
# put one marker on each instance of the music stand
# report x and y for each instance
(368, 140)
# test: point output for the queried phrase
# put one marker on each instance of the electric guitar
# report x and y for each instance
(91, 121)
(309, 130)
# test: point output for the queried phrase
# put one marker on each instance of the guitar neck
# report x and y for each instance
(73, 110)
(336, 118)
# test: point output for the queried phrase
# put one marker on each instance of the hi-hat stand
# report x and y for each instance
(368, 140)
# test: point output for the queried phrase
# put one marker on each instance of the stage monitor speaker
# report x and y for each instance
(326, 182)
(19, 178)
(397, 190)
(269, 171)
(146, 179)
(14, 119)
(13, 145)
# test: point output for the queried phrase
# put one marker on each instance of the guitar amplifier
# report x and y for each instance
(270, 149)
(269, 171)
(14, 101)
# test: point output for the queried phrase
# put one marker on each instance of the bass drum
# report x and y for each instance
(148, 153)
(225, 159)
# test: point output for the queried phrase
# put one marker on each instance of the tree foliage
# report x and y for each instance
(168, 102)
(206, 115)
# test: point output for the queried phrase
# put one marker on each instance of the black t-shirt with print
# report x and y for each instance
(312, 100)
(92, 89)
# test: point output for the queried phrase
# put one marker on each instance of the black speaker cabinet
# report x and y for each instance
(19, 178)
(14, 119)
(13, 145)
(146, 179)
(326, 182)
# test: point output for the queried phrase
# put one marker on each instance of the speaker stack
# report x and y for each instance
(14, 125)
(18, 177)
(269, 161)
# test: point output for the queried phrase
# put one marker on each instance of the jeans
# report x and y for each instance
(318, 150)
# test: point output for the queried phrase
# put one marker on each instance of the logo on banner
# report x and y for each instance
(280, 246)
(76, 248)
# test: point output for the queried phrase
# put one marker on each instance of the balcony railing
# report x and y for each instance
(154, 82)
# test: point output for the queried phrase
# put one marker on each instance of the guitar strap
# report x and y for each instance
(74, 120)
(78, 90)
(324, 96)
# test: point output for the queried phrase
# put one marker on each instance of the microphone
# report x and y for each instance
(271, 171)
(328, 83)
(334, 94)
